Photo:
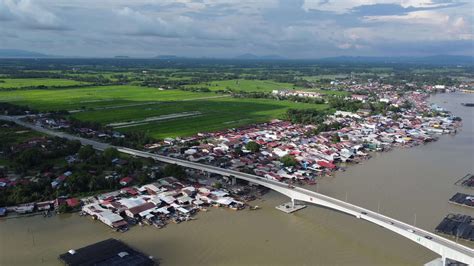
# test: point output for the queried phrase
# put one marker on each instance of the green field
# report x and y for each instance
(33, 82)
(216, 114)
(93, 97)
(243, 85)
(112, 104)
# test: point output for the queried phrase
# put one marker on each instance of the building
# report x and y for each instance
(297, 93)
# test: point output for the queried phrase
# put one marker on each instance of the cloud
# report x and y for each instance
(346, 6)
(30, 15)
(291, 28)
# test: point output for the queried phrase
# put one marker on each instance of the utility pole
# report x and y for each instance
(414, 223)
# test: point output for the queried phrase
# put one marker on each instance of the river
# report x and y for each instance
(412, 185)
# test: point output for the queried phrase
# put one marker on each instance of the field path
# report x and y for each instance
(153, 119)
(142, 104)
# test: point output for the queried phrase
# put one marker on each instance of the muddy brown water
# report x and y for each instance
(403, 184)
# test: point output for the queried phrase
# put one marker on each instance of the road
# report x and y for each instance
(444, 247)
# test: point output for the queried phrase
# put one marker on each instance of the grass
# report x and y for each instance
(243, 85)
(110, 104)
(92, 97)
(216, 114)
(32, 82)
(13, 134)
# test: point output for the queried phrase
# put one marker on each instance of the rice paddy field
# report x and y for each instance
(93, 97)
(141, 108)
(213, 114)
(243, 85)
(33, 82)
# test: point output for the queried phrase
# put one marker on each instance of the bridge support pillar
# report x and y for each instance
(234, 181)
(443, 260)
(290, 207)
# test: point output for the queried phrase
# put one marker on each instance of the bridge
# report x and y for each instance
(447, 249)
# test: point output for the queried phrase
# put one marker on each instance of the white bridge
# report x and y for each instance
(440, 245)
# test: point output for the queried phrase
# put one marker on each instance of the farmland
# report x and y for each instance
(167, 98)
(215, 114)
(34, 82)
(93, 97)
(125, 103)
(243, 85)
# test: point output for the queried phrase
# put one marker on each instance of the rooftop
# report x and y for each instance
(107, 252)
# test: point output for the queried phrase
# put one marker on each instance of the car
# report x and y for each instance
(428, 237)
(364, 213)
(411, 230)
(391, 223)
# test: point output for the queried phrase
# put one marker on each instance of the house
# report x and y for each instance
(134, 212)
(129, 190)
(359, 97)
(43, 206)
(125, 181)
(105, 215)
(73, 202)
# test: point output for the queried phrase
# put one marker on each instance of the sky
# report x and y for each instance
(227, 28)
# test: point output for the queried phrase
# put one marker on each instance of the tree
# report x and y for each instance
(28, 158)
(252, 146)
(288, 161)
(110, 154)
(217, 185)
(86, 152)
(335, 138)
(175, 171)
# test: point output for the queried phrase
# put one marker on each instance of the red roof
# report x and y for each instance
(72, 202)
(326, 164)
(126, 180)
(130, 190)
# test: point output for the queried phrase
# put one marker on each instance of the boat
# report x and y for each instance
(468, 104)
(253, 208)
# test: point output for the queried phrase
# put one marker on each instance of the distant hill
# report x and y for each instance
(166, 57)
(256, 57)
(15, 53)
(431, 60)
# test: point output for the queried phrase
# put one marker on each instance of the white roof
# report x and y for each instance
(185, 199)
(131, 202)
(110, 217)
(198, 202)
(219, 193)
(225, 201)
(163, 210)
(167, 199)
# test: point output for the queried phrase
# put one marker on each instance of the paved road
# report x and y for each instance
(438, 244)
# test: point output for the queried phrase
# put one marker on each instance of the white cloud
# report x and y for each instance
(418, 17)
(344, 6)
(30, 14)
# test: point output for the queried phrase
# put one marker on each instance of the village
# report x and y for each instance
(295, 153)
(284, 151)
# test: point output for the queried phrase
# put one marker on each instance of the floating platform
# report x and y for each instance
(288, 208)
(462, 200)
